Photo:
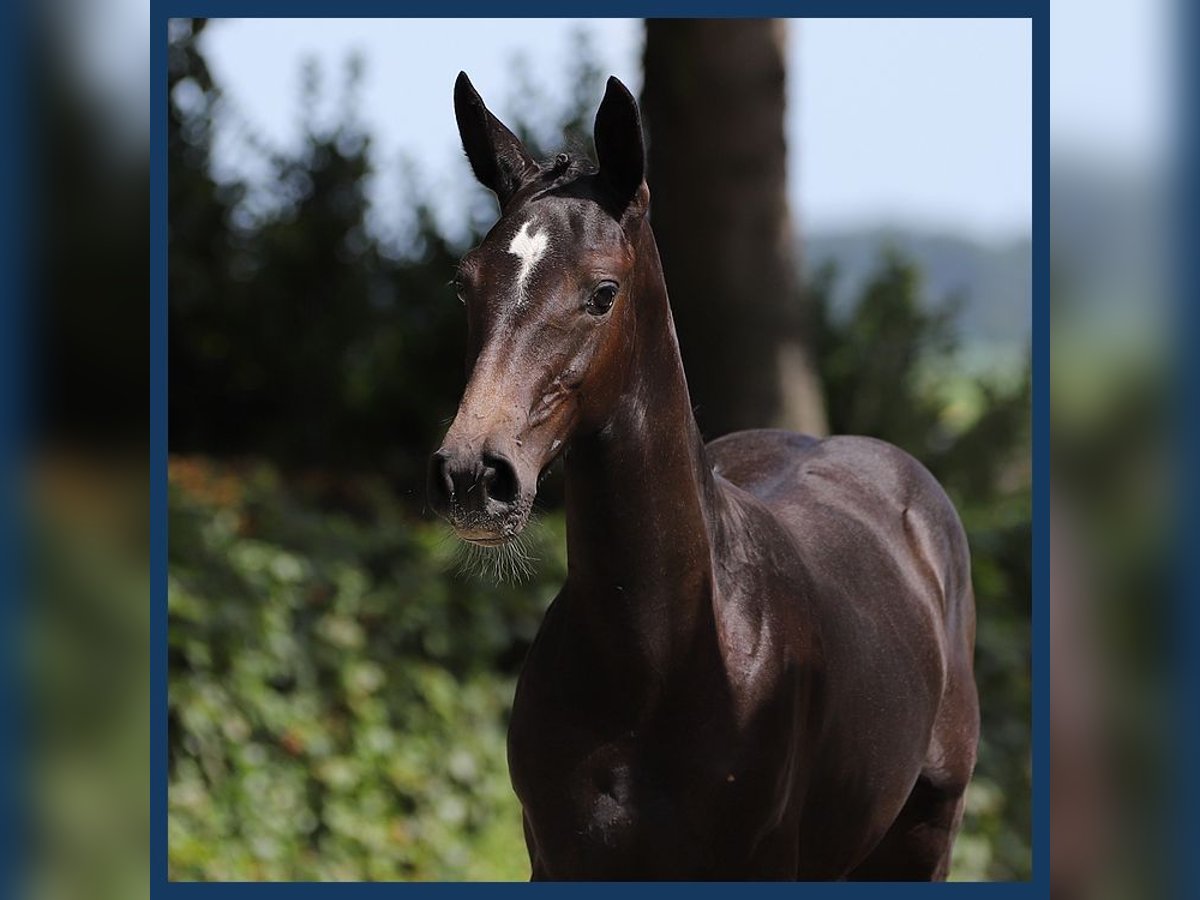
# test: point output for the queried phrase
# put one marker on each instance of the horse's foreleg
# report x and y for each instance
(917, 846)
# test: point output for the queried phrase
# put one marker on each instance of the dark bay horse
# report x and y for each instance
(760, 665)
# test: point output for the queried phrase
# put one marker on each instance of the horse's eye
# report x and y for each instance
(460, 290)
(602, 298)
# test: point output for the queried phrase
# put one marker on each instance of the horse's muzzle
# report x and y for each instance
(477, 493)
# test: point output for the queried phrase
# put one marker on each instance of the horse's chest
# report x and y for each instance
(678, 798)
(607, 807)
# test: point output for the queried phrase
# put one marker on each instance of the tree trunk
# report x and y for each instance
(713, 101)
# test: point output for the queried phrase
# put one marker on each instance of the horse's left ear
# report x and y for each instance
(498, 158)
(621, 151)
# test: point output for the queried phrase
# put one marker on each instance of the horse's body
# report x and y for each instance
(760, 664)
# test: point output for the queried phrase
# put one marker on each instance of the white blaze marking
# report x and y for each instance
(529, 248)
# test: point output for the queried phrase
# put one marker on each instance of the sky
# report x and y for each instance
(1114, 95)
(958, 90)
(924, 122)
(1113, 91)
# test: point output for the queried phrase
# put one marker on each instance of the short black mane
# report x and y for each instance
(561, 170)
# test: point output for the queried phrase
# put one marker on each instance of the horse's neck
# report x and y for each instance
(638, 498)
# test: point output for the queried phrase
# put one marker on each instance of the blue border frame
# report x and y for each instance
(15, 159)
(161, 10)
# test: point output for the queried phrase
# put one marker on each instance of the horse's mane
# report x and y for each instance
(565, 168)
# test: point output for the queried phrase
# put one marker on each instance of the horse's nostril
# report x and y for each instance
(500, 478)
(441, 482)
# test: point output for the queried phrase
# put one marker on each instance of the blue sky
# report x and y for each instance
(1113, 90)
(906, 121)
(910, 121)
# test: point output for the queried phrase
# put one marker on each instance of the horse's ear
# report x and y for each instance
(620, 151)
(498, 158)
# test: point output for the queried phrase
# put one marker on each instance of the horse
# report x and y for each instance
(760, 664)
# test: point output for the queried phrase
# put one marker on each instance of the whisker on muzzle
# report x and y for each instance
(509, 563)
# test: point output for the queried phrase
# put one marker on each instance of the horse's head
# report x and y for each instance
(547, 296)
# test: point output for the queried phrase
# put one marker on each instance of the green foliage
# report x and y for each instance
(338, 699)
(295, 331)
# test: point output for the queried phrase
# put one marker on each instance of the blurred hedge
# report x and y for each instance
(338, 700)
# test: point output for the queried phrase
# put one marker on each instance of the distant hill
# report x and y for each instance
(1111, 232)
(995, 279)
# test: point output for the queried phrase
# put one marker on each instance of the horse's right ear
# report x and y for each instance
(621, 151)
(498, 158)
